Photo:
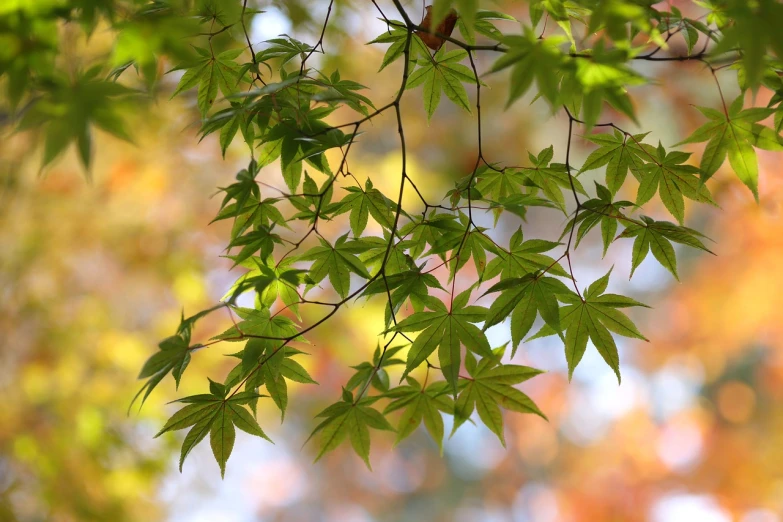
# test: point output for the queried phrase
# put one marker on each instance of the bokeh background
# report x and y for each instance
(94, 274)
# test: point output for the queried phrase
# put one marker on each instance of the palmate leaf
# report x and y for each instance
(619, 153)
(532, 58)
(397, 260)
(228, 121)
(270, 281)
(606, 76)
(397, 35)
(215, 414)
(594, 317)
(524, 298)
(672, 180)
(750, 26)
(601, 210)
(259, 241)
(550, 178)
(315, 203)
(353, 420)
(412, 285)
(339, 90)
(70, 107)
(433, 229)
(420, 404)
(735, 135)
(268, 363)
(688, 29)
(445, 330)
(482, 25)
(242, 191)
(283, 49)
(211, 73)
(443, 73)
(337, 261)
(523, 257)
(491, 387)
(173, 356)
(375, 371)
(365, 203)
(475, 245)
(495, 183)
(260, 323)
(658, 237)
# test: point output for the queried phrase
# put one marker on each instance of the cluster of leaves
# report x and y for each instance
(441, 361)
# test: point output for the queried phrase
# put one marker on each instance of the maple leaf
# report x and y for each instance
(491, 386)
(735, 134)
(658, 236)
(672, 180)
(594, 317)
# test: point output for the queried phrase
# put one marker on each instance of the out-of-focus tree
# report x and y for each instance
(336, 201)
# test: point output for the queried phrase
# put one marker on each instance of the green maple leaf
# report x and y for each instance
(211, 73)
(474, 246)
(245, 189)
(261, 241)
(354, 420)
(594, 317)
(69, 109)
(365, 203)
(688, 28)
(619, 153)
(532, 58)
(483, 26)
(259, 323)
(397, 36)
(550, 178)
(753, 27)
(410, 285)
(270, 282)
(443, 73)
(375, 371)
(523, 257)
(174, 356)
(420, 404)
(614, 15)
(283, 49)
(524, 298)
(228, 121)
(375, 252)
(255, 212)
(673, 181)
(658, 236)
(605, 76)
(434, 229)
(735, 135)
(496, 184)
(216, 414)
(337, 261)
(599, 210)
(491, 387)
(445, 330)
(339, 90)
(315, 203)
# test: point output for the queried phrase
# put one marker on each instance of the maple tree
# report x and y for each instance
(272, 98)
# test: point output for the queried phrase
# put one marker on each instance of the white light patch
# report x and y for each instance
(680, 445)
(689, 508)
(269, 24)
